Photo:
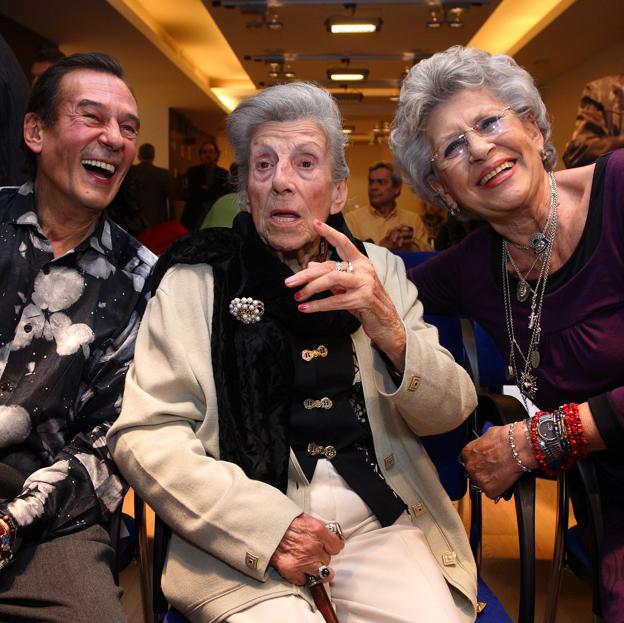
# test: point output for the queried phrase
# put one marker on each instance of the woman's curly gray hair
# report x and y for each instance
(287, 102)
(434, 81)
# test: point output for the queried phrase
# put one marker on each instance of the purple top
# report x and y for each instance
(582, 340)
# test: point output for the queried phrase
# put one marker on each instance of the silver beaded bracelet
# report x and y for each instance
(514, 452)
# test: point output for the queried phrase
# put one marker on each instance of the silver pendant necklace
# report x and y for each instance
(523, 288)
(539, 241)
(525, 379)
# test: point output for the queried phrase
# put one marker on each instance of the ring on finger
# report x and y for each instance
(323, 572)
(349, 267)
(334, 526)
(340, 267)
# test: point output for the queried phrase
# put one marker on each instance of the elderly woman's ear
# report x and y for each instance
(532, 129)
(439, 189)
(341, 192)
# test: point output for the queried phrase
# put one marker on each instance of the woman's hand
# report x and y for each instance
(306, 545)
(358, 291)
(490, 462)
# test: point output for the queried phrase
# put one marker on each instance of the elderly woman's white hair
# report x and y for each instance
(434, 81)
(287, 102)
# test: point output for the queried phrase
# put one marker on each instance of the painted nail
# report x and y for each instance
(298, 295)
(303, 307)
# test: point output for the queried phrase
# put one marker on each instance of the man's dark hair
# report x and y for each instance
(46, 94)
(147, 152)
(383, 164)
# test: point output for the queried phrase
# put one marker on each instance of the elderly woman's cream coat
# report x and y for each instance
(226, 526)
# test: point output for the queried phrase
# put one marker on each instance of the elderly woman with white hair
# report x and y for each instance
(546, 278)
(282, 376)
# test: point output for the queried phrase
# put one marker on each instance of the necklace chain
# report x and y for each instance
(526, 381)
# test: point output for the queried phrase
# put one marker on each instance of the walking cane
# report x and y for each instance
(319, 594)
(321, 599)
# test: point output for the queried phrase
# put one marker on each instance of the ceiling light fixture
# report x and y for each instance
(454, 17)
(274, 70)
(353, 25)
(347, 74)
(274, 23)
(435, 21)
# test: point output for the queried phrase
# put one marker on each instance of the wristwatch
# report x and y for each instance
(548, 439)
(7, 540)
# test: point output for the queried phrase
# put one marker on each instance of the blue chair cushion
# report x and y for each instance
(494, 611)
(173, 616)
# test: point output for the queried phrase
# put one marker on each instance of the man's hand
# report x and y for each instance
(306, 545)
(398, 239)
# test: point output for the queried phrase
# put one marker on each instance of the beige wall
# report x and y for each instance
(562, 94)
(155, 130)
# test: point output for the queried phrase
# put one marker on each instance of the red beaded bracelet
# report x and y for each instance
(539, 455)
(576, 434)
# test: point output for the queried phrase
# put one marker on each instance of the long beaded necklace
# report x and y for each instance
(526, 381)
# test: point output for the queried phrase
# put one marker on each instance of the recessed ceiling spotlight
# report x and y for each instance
(435, 20)
(347, 74)
(274, 22)
(274, 70)
(454, 17)
(353, 25)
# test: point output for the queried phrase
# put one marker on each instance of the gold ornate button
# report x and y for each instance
(251, 561)
(323, 403)
(449, 559)
(308, 355)
(413, 382)
(329, 452)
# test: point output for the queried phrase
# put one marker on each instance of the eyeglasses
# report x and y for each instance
(457, 148)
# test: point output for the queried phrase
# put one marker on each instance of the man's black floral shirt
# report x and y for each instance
(67, 332)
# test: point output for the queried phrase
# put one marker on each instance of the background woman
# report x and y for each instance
(546, 278)
(250, 419)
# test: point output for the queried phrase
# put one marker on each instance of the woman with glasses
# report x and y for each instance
(545, 276)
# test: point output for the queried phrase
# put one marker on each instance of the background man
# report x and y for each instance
(383, 222)
(13, 98)
(153, 186)
(74, 289)
(44, 58)
(599, 121)
(206, 182)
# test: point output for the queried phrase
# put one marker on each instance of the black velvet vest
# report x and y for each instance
(324, 373)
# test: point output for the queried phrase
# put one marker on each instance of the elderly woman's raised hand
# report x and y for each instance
(306, 545)
(490, 463)
(355, 288)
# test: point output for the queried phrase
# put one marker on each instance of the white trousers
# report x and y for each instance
(383, 575)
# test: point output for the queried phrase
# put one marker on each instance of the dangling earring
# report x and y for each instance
(454, 210)
(544, 158)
